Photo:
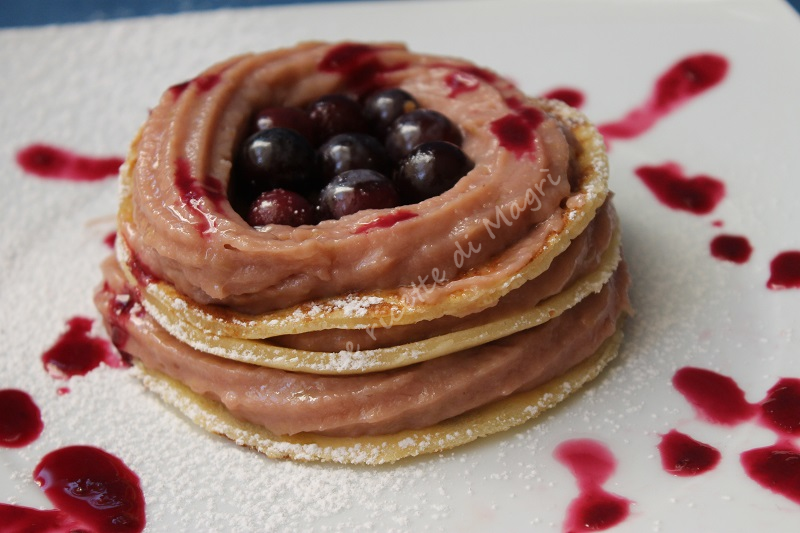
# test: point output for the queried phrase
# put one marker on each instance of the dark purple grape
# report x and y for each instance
(350, 151)
(355, 190)
(278, 158)
(417, 127)
(430, 169)
(336, 113)
(285, 117)
(381, 108)
(280, 206)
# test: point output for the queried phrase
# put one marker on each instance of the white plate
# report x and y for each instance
(88, 88)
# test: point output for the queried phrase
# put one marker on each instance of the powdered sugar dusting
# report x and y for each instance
(356, 306)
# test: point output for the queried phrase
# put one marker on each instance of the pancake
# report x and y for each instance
(353, 361)
(493, 418)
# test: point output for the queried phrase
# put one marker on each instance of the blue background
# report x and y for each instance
(38, 12)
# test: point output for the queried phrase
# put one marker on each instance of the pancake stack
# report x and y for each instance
(387, 333)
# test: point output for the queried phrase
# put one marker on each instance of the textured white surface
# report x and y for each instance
(88, 88)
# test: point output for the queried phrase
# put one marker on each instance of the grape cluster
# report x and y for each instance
(339, 156)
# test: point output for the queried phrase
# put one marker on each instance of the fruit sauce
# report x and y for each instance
(683, 456)
(732, 248)
(698, 195)
(94, 488)
(20, 419)
(687, 79)
(719, 399)
(77, 351)
(592, 464)
(51, 162)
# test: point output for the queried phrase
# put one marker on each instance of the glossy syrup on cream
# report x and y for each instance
(460, 82)
(569, 95)
(592, 464)
(203, 83)
(192, 194)
(359, 65)
(20, 419)
(52, 162)
(386, 221)
(719, 399)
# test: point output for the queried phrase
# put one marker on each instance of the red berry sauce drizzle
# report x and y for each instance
(360, 66)
(698, 195)
(733, 248)
(203, 83)
(18, 519)
(93, 487)
(685, 80)
(20, 419)
(785, 271)
(193, 192)
(51, 162)
(569, 95)
(719, 400)
(386, 221)
(516, 131)
(592, 464)
(110, 239)
(683, 456)
(93, 491)
(123, 307)
(460, 83)
(77, 352)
